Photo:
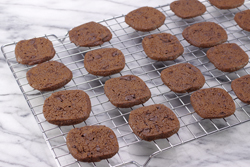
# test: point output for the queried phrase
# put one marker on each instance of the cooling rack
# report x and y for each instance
(137, 63)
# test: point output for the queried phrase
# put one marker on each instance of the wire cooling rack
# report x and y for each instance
(137, 63)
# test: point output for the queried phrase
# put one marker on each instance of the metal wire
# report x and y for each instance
(137, 63)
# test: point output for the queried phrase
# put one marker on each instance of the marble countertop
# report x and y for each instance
(21, 141)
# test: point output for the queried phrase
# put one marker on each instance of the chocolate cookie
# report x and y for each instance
(183, 78)
(67, 107)
(241, 88)
(228, 57)
(126, 91)
(153, 122)
(243, 19)
(205, 34)
(188, 8)
(145, 19)
(90, 34)
(34, 51)
(212, 103)
(104, 62)
(162, 47)
(227, 4)
(92, 143)
(48, 76)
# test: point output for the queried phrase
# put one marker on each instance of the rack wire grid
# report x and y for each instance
(137, 63)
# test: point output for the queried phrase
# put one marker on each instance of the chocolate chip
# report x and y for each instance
(146, 130)
(130, 97)
(165, 40)
(153, 118)
(105, 67)
(59, 108)
(98, 56)
(35, 46)
(98, 148)
(58, 97)
(111, 136)
(127, 78)
(32, 41)
(115, 54)
(222, 113)
(157, 128)
(171, 119)
(191, 68)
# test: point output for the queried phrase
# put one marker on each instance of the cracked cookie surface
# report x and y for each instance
(49, 76)
(92, 143)
(104, 62)
(183, 78)
(34, 51)
(227, 4)
(228, 57)
(212, 103)
(126, 91)
(162, 47)
(145, 19)
(67, 107)
(241, 87)
(154, 122)
(243, 19)
(205, 34)
(188, 8)
(89, 34)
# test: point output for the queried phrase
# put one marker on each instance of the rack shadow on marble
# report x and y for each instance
(103, 112)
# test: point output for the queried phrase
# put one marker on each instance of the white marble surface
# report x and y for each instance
(22, 143)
